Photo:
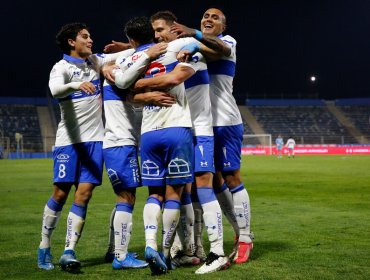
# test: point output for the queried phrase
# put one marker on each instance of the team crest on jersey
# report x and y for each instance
(155, 69)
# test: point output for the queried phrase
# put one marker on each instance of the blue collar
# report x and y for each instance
(73, 59)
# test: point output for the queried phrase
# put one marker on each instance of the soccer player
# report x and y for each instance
(78, 157)
(121, 162)
(227, 122)
(290, 144)
(166, 142)
(197, 92)
(122, 165)
(279, 146)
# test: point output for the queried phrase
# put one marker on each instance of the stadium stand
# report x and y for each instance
(23, 119)
(357, 110)
(308, 121)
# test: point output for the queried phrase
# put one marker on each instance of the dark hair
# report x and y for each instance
(168, 16)
(140, 29)
(68, 31)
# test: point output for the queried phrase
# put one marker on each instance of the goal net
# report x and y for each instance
(257, 143)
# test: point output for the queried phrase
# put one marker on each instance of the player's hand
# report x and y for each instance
(159, 98)
(108, 72)
(156, 50)
(182, 30)
(87, 87)
(116, 46)
(184, 56)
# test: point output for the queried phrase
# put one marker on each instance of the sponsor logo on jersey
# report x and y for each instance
(62, 158)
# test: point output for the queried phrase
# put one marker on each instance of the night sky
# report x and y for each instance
(281, 44)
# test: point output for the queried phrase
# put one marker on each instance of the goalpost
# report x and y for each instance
(261, 141)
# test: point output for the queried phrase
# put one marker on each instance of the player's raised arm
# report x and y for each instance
(116, 46)
(166, 81)
(127, 74)
(156, 98)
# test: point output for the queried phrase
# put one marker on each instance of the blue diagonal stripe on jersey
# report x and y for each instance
(114, 93)
(199, 78)
(221, 67)
(82, 94)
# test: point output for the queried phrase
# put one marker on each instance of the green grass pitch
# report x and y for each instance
(310, 217)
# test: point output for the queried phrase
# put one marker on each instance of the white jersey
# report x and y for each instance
(120, 117)
(197, 93)
(81, 113)
(225, 111)
(290, 144)
(156, 117)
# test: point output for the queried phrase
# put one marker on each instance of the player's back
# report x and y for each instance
(120, 117)
(177, 115)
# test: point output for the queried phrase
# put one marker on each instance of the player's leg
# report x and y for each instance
(179, 172)
(170, 219)
(230, 141)
(65, 162)
(89, 157)
(225, 199)
(185, 232)
(152, 174)
(198, 226)
(212, 214)
(124, 177)
(122, 229)
(52, 212)
(109, 255)
(75, 224)
(152, 216)
(243, 214)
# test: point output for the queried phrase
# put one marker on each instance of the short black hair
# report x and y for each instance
(68, 31)
(168, 16)
(140, 29)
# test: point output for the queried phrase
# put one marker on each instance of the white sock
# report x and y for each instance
(212, 216)
(151, 216)
(225, 199)
(75, 226)
(171, 215)
(243, 212)
(122, 229)
(49, 222)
